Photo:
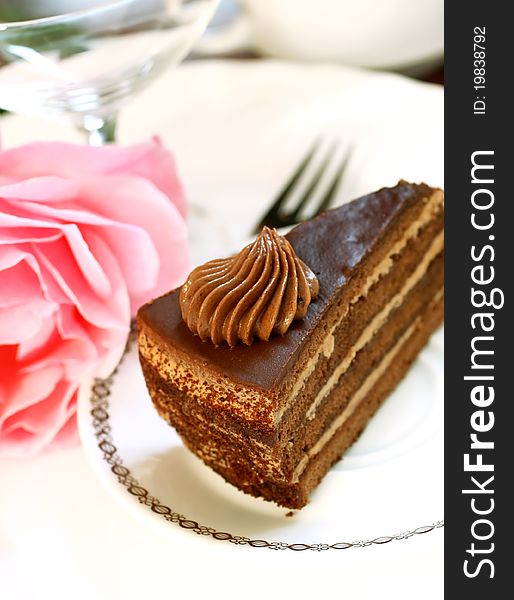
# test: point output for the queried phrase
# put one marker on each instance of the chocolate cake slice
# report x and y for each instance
(269, 388)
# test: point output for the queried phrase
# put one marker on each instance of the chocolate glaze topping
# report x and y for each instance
(333, 244)
(252, 294)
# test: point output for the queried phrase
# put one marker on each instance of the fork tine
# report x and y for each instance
(274, 209)
(331, 192)
(314, 183)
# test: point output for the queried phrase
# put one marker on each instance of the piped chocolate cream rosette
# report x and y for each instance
(253, 294)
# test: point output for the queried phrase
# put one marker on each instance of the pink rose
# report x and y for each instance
(86, 236)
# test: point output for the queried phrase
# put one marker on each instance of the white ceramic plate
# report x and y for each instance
(388, 484)
(235, 145)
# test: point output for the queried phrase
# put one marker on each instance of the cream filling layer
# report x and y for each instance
(358, 396)
(327, 345)
(376, 323)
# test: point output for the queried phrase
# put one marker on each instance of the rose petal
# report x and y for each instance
(163, 223)
(20, 391)
(48, 189)
(19, 323)
(29, 350)
(19, 283)
(41, 416)
(35, 427)
(68, 346)
(8, 367)
(67, 436)
(10, 255)
(125, 230)
(22, 235)
(158, 166)
(102, 312)
(148, 160)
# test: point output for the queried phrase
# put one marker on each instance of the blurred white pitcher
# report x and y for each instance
(380, 34)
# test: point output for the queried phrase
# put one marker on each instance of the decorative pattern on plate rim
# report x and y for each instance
(99, 399)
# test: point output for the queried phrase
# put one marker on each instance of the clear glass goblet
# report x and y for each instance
(89, 62)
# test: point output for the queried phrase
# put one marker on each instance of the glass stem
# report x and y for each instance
(99, 129)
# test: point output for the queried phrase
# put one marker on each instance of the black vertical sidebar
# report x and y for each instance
(479, 331)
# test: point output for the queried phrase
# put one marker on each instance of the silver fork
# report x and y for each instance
(278, 215)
